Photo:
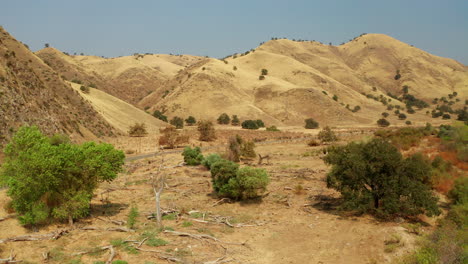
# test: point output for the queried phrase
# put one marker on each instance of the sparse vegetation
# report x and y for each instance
(171, 138)
(310, 123)
(84, 89)
(272, 128)
(137, 130)
(132, 217)
(327, 135)
(190, 121)
(206, 130)
(178, 122)
(235, 120)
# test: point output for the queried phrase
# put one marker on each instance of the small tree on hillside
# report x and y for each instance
(383, 122)
(235, 120)
(224, 119)
(374, 176)
(138, 130)
(178, 122)
(264, 72)
(249, 124)
(159, 115)
(310, 123)
(190, 121)
(260, 123)
(206, 130)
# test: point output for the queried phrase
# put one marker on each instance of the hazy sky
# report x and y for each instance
(217, 28)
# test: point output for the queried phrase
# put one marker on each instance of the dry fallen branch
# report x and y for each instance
(200, 237)
(219, 260)
(223, 200)
(116, 229)
(53, 235)
(110, 248)
(10, 259)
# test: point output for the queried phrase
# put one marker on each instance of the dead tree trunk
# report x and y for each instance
(260, 159)
(158, 181)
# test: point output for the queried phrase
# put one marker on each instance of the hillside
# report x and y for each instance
(303, 77)
(118, 113)
(31, 93)
(129, 78)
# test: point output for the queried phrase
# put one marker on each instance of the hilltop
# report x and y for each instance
(32, 93)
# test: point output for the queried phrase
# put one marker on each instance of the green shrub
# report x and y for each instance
(248, 183)
(132, 217)
(250, 124)
(192, 157)
(385, 114)
(402, 116)
(210, 160)
(178, 122)
(459, 193)
(327, 135)
(119, 262)
(261, 77)
(310, 123)
(221, 172)
(224, 119)
(264, 72)
(156, 242)
(190, 121)
(235, 120)
(260, 123)
(383, 122)
(247, 149)
(84, 89)
(159, 115)
(335, 97)
(55, 181)
(408, 122)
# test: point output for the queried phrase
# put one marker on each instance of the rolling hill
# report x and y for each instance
(32, 93)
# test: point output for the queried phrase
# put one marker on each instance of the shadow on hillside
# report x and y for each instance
(327, 203)
(107, 209)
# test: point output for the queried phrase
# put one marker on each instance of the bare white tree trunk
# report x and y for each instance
(158, 180)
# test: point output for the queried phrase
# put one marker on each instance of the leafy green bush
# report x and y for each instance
(260, 123)
(402, 116)
(249, 124)
(327, 135)
(459, 193)
(224, 119)
(192, 156)
(84, 89)
(264, 72)
(310, 123)
(159, 115)
(383, 122)
(190, 121)
(55, 181)
(210, 160)
(235, 120)
(221, 172)
(248, 183)
(393, 185)
(178, 122)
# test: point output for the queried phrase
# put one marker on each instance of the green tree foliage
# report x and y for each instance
(178, 122)
(383, 122)
(374, 176)
(55, 181)
(190, 121)
(192, 156)
(206, 130)
(84, 89)
(235, 120)
(224, 119)
(250, 124)
(327, 135)
(335, 97)
(210, 160)
(159, 115)
(137, 130)
(264, 72)
(385, 114)
(239, 184)
(402, 116)
(310, 123)
(132, 217)
(260, 123)
(221, 172)
(249, 183)
(398, 75)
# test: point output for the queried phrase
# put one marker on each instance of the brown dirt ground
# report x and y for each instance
(288, 225)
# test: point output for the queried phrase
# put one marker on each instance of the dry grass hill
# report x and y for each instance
(33, 93)
(118, 113)
(129, 78)
(303, 77)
